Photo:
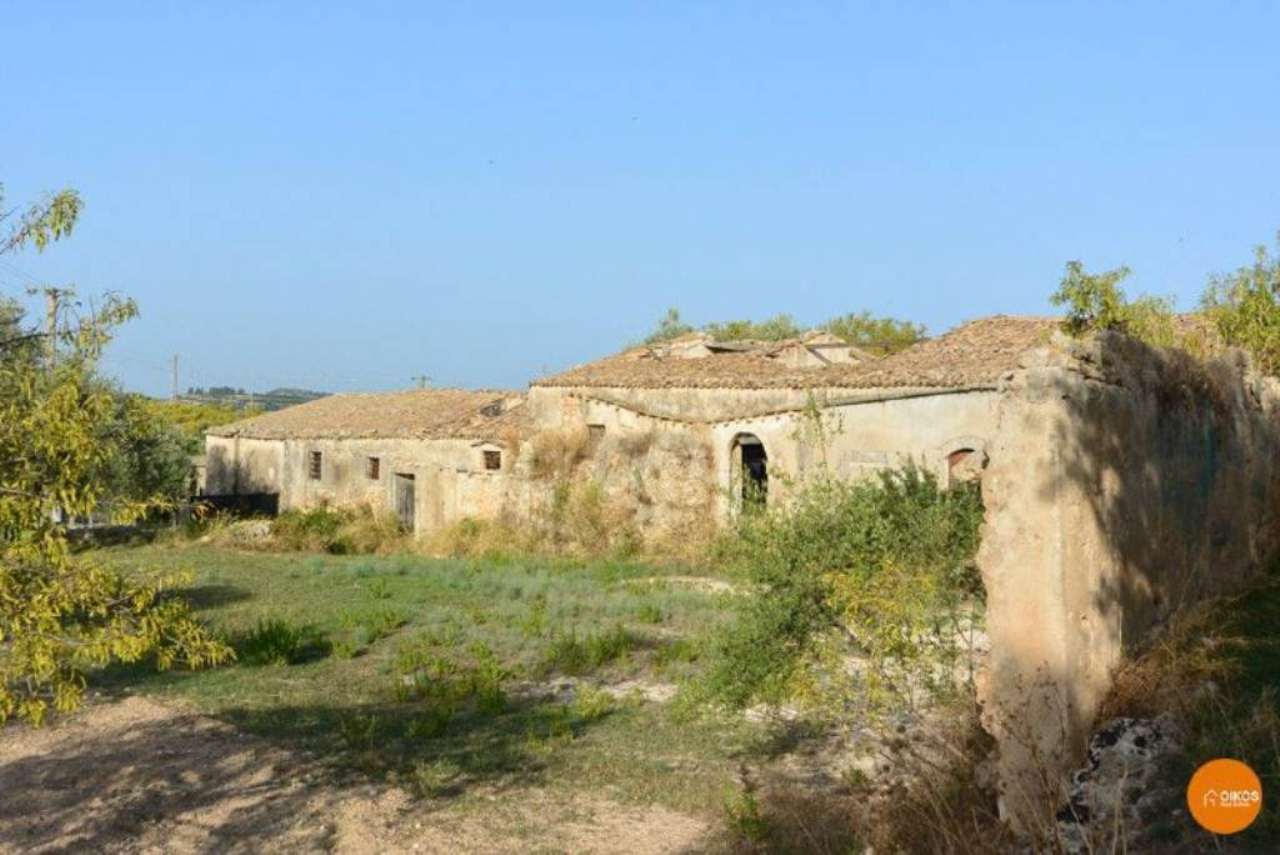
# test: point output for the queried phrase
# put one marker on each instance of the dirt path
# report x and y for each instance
(138, 776)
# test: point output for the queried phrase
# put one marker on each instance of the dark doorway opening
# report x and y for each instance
(405, 501)
(754, 468)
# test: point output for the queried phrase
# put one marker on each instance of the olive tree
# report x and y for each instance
(62, 613)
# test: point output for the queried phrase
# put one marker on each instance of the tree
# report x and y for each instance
(878, 336)
(1244, 307)
(194, 418)
(63, 614)
(1095, 301)
(152, 454)
(669, 327)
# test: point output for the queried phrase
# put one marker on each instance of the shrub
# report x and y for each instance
(445, 682)
(636, 443)
(338, 531)
(650, 613)
(1215, 669)
(571, 654)
(1095, 301)
(591, 704)
(368, 628)
(479, 538)
(556, 453)
(274, 641)
(879, 336)
(1245, 308)
(880, 568)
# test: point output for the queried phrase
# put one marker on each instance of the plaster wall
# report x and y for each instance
(450, 480)
(1124, 484)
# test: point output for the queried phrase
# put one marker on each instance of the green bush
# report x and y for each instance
(865, 566)
(274, 641)
(572, 654)
(1095, 301)
(1245, 309)
(368, 628)
(339, 531)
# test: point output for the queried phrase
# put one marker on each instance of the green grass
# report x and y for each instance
(419, 670)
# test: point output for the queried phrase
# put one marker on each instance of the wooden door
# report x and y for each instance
(405, 501)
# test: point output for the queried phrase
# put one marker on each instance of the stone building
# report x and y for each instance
(759, 417)
(1121, 482)
(432, 456)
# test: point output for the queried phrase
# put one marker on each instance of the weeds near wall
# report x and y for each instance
(339, 531)
(556, 453)
(1216, 669)
(816, 428)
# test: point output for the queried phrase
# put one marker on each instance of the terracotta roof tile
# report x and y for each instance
(417, 413)
(974, 353)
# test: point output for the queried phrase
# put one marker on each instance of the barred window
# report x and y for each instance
(373, 468)
(314, 465)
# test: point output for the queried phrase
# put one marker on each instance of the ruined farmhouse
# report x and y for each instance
(688, 427)
(1121, 482)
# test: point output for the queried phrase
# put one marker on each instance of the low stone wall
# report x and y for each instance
(1124, 484)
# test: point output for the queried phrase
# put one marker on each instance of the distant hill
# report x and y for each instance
(227, 396)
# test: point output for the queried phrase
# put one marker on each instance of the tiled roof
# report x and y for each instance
(974, 353)
(417, 413)
(644, 367)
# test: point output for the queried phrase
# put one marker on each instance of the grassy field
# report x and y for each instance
(458, 678)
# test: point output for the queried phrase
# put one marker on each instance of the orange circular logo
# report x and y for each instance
(1224, 796)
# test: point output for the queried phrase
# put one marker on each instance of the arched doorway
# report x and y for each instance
(750, 470)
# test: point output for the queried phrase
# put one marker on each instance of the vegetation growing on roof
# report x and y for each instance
(669, 327)
(1095, 301)
(878, 335)
(1245, 308)
(777, 328)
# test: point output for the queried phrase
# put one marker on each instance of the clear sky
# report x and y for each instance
(343, 196)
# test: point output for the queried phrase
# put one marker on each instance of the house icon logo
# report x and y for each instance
(1224, 796)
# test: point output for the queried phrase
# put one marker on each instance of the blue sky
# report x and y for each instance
(343, 196)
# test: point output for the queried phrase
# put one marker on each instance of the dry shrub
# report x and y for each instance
(939, 801)
(1216, 670)
(581, 520)
(479, 538)
(578, 519)
(340, 531)
(556, 453)
(686, 449)
(695, 541)
(634, 445)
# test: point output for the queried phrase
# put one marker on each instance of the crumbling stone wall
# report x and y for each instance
(1124, 484)
(655, 474)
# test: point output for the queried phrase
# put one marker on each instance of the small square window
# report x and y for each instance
(493, 460)
(314, 463)
(373, 468)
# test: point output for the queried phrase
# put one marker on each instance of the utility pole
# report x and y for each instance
(421, 379)
(174, 393)
(51, 298)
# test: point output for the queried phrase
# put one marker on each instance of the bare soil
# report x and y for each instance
(135, 775)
